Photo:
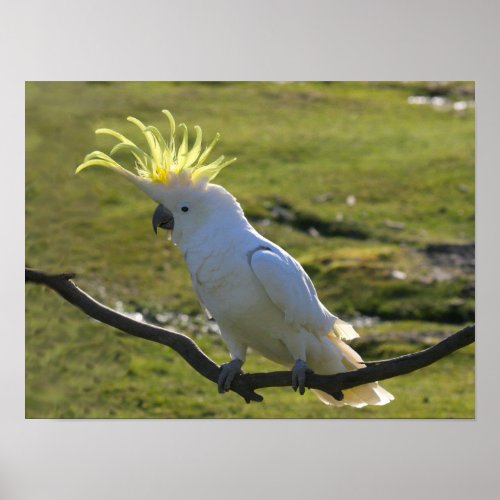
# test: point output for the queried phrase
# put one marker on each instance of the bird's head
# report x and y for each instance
(177, 178)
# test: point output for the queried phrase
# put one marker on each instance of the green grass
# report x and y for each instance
(409, 165)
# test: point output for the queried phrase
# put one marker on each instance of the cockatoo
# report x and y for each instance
(258, 294)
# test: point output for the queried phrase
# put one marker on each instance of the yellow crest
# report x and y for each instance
(165, 163)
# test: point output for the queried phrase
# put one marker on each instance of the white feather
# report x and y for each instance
(344, 331)
(291, 290)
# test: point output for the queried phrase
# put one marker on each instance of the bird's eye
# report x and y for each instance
(184, 209)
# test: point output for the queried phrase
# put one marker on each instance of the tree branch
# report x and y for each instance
(246, 384)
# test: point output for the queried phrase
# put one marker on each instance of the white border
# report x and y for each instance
(259, 40)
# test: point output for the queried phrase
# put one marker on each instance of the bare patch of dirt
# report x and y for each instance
(452, 255)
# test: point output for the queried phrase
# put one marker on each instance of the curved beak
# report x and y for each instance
(162, 218)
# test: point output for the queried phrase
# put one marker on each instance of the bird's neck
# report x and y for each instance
(215, 236)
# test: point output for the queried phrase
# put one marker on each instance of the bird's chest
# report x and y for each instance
(216, 272)
(224, 281)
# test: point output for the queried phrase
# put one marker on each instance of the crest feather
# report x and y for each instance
(164, 163)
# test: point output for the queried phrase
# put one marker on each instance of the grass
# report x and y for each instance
(301, 148)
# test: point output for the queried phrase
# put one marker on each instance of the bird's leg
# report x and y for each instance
(299, 373)
(227, 373)
(297, 347)
(229, 370)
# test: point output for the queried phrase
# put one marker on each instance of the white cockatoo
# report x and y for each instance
(258, 294)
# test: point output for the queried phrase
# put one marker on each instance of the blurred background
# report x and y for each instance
(370, 185)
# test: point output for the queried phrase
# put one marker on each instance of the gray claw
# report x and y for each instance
(227, 373)
(299, 373)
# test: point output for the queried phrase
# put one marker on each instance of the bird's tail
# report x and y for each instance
(362, 395)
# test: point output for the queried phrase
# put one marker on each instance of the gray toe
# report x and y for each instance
(227, 374)
(299, 375)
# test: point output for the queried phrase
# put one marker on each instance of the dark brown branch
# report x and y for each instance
(246, 384)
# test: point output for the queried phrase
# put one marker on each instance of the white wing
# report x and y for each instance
(291, 290)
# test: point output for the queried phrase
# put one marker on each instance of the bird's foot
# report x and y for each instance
(227, 373)
(299, 373)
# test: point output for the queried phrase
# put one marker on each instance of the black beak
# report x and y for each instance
(163, 218)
